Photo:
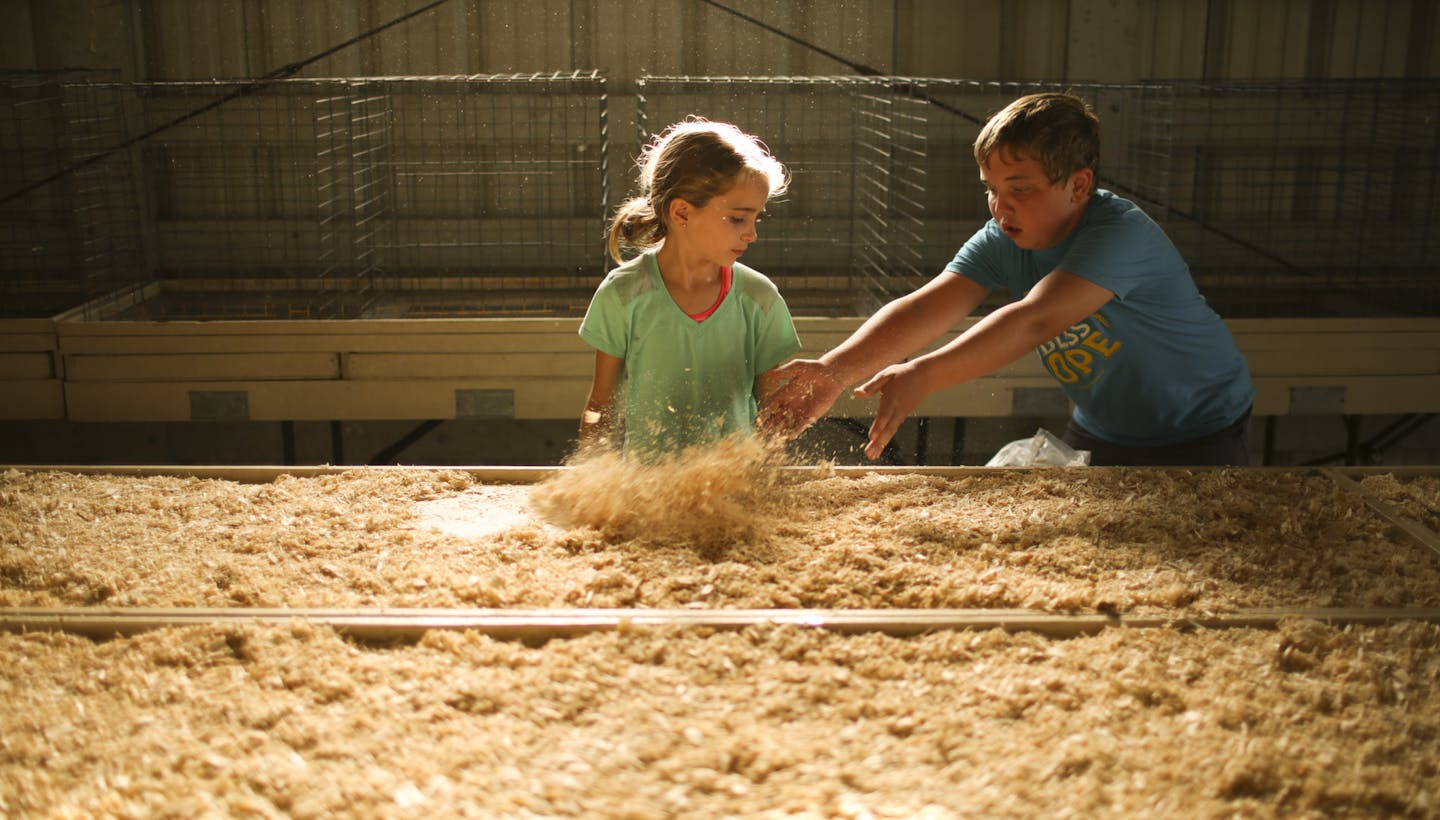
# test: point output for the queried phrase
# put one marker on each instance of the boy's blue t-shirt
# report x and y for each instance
(687, 382)
(1155, 365)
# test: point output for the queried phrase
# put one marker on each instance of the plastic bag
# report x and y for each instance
(1043, 449)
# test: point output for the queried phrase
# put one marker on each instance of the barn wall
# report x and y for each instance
(1007, 40)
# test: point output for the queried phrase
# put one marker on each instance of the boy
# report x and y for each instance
(1100, 293)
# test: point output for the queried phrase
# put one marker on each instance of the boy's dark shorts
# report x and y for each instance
(1228, 447)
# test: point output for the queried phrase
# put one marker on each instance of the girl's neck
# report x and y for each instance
(694, 285)
(685, 271)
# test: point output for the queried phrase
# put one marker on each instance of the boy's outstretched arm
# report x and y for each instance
(907, 324)
(1058, 301)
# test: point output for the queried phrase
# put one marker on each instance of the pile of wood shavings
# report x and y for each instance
(1062, 539)
(708, 496)
(1306, 720)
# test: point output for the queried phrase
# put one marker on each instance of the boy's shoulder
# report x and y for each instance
(1110, 205)
(1117, 216)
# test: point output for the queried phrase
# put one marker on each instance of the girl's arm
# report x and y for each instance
(597, 421)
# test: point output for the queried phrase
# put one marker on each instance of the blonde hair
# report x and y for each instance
(1057, 130)
(694, 160)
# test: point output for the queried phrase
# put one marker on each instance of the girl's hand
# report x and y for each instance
(806, 390)
(901, 387)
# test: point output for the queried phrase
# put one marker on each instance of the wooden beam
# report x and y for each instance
(263, 474)
(541, 624)
(37, 366)
(32, 399)
(411, 369)
(181, 367)
(1418, 532)
(254, 474)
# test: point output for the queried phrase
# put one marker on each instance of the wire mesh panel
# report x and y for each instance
(892, 181)
(68, 228)
(500, 176)
(353, 138)
(393, 197)
(1310, 198)
(237, 195)
(455, 196)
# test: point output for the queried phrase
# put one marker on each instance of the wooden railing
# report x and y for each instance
(538, 368)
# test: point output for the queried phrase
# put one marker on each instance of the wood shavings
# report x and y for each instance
(1304, 720)
(1130, 541)
(776, 721)
(707, 496)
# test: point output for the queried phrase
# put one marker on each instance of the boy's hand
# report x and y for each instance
(808, 391)
(900, 388)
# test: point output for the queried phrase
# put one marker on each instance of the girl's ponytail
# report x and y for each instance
(636, 225)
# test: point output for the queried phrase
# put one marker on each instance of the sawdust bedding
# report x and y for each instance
(1304, 720)
(1062, 539)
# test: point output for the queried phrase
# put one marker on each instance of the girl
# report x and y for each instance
(689, 330)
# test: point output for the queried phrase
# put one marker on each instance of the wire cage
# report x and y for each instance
(487, 195)
(1308, 198)
(529, 157)
(69, 231)
(371, 197)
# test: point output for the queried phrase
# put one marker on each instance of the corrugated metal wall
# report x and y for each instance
(1006, 40)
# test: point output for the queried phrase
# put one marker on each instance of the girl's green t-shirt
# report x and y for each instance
(687, 382)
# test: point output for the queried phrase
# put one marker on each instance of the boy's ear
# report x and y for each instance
(1082, 182)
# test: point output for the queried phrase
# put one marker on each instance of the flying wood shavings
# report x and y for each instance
(704, 495)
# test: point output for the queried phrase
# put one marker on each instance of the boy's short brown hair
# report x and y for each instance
(1057, 130)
